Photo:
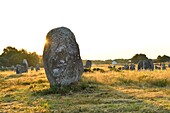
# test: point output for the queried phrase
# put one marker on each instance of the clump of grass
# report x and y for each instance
(125, 81)
(115, 69)
(14, 76)
(162, 82)
(82, 86)
(26, 83)
(149, 80)
(102, 70)
(93, 93)
(7, 98)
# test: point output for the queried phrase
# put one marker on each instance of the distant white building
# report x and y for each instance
(130, 61)
(114, 62)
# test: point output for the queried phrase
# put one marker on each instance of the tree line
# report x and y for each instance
(12, 56)
(135, 59)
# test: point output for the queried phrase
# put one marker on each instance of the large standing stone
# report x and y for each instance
(61, 57)
(25, 64)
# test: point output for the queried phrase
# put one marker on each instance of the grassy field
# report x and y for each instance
(97, 92)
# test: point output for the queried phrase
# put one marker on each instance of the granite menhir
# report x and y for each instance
(88, 64)
(61, 57)
(25, 64)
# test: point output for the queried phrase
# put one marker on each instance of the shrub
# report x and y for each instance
(115, 69)
(96, 69)
(102, 70)
(87, 70)
(159, 82)
(126, 81)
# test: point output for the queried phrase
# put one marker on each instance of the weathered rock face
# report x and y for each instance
(32, 68)
(12, 68)
(169, 65)
(145, 64)
(163, 67)
(37, 67)
(88, 64)
(61, 57)
(25, 64)
(132, 66)
(126, 67)
(19, 69)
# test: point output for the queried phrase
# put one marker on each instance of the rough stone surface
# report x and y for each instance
(132, 66)
(169, 65)
(32, 68)
(12, 68)
(37, 67)
(146, 65)
(88, 64)
(163, 67)
(126, 67)
(61, 57)
(19, 69)
(25, 64)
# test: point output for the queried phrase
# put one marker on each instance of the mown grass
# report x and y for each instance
(109, 91)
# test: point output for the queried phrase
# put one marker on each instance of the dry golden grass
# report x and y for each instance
(109, 91)
(151, 86)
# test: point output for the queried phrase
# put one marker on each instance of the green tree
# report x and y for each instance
(136, 58)
(12, 56)
(121, 61)
(32, 59)
(163, 58)
(15, 59)
(9, 51)
(4, 61)
(159, 59)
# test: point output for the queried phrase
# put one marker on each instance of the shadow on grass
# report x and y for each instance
(88, 95)
(83, 86)
(2, 78)
(14, 76)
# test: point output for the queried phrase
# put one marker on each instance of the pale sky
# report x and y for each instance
(104, 29)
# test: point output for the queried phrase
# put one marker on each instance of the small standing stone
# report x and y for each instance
(32, 68)
(37, 67)
(61, 57)
(88, 64)
(12, 68)
(19, 69)
(163, 67)
(145, 65)
(132, 66)
(126, 67)
(25, 65)
(169, 65)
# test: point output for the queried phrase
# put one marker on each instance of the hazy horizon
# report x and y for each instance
(103, 29)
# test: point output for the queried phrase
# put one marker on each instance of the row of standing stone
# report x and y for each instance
(24, 67)
(19, 69)
(62, 60)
